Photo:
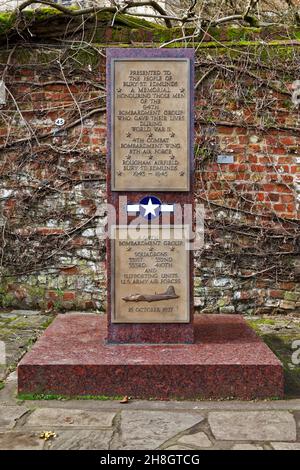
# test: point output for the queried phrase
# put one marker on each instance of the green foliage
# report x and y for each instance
(291, 296)
(135, 22)
(47, 322)
(36, 292)
(6, 22)
(242, 33)
(281, 346)
(42, 14)
(6, 299)
(44, 396)
(255, 324)
(227, 34)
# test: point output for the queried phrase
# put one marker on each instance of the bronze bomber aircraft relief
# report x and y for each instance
(169, 294)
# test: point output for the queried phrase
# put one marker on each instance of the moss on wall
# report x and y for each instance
(47, 22)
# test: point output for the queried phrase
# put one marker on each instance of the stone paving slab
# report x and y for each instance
(81, 440)
(147, 429)
(286, 445)
(205, 406)
(297, 417)
(150, 429)
(171, 405)
(10, 414)
(52, 417)
(139, 424)
(20, 441)
(18, 330)
(24, 313)
(196, 440)
(253, 425)
(246, 447)
(178, 447)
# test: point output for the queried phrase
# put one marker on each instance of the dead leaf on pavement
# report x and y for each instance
(125, 399)
(46, 435)
(69, 420)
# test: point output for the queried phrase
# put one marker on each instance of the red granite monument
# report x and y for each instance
(150, 344)
(150, 116)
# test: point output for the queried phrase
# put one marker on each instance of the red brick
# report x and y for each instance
(254, 147)
(295, 169)
(264, 159)
(270, 140)
(287, 285)
(260, 283)
(276, 150)
(243, 139)
(50, 305)
(277, 294)
(213, 195)
(282, 188)
(260, 196)
(287, 140)
(279, 207)
(287, 178)
(69, 296)
(228, 176)
(50, 231)
(257, 168)
(252, 158)
(243, 176)
(238, 167)
(52, 294)
(237, 148)
(290, 207)
(78, 241)
(87, 202)
(99, 131)
(90, 305)
(284, 160)
(273, 197)
(69, 270)
(287, 198)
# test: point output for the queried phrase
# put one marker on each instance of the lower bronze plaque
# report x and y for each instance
(150, 275)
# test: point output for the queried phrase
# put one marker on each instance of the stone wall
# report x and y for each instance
(52, 186)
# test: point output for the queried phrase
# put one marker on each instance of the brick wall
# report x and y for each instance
(52, 187)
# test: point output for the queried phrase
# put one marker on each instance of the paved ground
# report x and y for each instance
(88, 424)
(19, 329)
(148, 425)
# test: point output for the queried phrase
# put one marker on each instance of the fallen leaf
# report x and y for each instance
(69, 420)
(125, 399)
(46, 435)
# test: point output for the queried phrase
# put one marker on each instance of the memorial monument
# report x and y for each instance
(150, 345)
(150, 162)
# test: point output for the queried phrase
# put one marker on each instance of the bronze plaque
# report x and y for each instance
(150, 272)
(150, 124)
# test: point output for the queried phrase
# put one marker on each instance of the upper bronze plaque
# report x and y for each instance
(150, 122)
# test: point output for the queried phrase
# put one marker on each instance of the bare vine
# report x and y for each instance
(242, 92)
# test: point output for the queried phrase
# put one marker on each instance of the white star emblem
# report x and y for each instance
(150, 208)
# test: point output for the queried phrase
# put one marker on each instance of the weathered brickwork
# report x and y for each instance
(52, 186)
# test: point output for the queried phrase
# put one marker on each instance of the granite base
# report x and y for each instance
(227, 359)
